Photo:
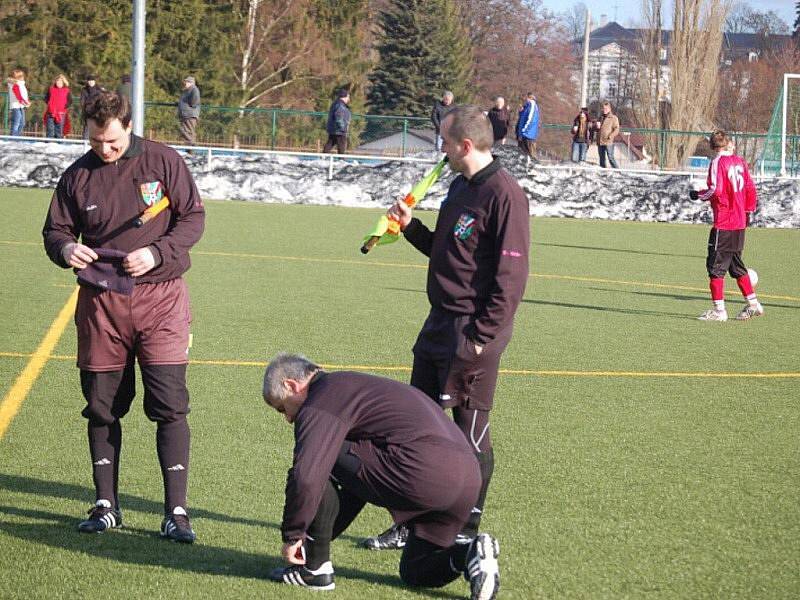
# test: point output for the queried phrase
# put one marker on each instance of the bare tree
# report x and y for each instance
(575, 21)
(275, 47)
(694, 57)
(647, 110)
(688, 100)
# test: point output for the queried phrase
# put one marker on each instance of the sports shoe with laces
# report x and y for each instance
(713, 314)
(393, 538)
(101, 517)
(176, 527)
(482, 570)
(749, 311)
(318, 579)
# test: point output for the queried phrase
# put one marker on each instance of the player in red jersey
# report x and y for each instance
(732, 195)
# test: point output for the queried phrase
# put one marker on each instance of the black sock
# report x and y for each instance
(172, 443)
(320, 532)
(105, 443)
(486, 463)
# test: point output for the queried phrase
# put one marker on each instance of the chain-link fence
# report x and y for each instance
(300, 130)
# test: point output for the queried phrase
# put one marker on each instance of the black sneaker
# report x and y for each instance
(101, 517)
(393, 538)
(483, 572)
(318, 579)
(176, 527)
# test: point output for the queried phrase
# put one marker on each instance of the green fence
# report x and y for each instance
(300, 130)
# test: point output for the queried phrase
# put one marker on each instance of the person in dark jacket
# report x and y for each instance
(477, 273)
(124, 87)
(440, 109)
(582, 127)
(338, 123)
(500, 118)
(89, 92)
(189, 110)
(132, 303)
(364, 439)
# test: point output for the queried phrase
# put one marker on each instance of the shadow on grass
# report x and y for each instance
(56, 489)
(624, 311)
(694, 297)
(602, 249)
(136, 546)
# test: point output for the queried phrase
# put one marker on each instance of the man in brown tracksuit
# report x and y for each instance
(476, 278)
(133, 303)
(361, 438)
(607, 130)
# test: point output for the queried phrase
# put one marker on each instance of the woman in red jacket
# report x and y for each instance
(58, 99)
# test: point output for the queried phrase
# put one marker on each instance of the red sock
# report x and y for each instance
(717, 285)
(744, 285)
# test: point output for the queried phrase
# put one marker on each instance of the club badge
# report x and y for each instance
(152, 192)
(464, 226)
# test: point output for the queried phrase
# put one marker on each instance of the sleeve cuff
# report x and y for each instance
(413, 227)
(156, 255)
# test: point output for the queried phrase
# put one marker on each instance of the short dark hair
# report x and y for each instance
(470, 122)
(106, 107)
(718, 139)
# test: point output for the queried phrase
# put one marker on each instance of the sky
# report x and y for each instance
(629, 11)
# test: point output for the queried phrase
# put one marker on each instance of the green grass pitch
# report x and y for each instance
(607, 485)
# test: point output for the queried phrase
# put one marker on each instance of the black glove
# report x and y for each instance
(694, 194)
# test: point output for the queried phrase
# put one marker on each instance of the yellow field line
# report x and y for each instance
(528, 372)
(12, 401)
(374, 263)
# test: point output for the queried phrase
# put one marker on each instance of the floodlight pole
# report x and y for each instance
(783, 125)
(585, 79)
(137, 77)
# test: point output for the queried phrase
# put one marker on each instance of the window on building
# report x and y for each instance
(663, 54)
(752, 56)
(612, 90)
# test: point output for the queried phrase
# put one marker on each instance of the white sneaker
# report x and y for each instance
(748, 312)
(482, 570)
(712, 314)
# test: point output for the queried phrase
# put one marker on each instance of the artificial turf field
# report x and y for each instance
(633, 459)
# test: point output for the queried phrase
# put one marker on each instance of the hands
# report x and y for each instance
(401, 212)
(139, 262)
(293, 553)
(77, 255)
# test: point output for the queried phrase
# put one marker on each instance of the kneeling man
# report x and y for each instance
(361, 438)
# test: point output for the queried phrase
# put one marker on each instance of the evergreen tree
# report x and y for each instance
(796, 32)
(423, 50)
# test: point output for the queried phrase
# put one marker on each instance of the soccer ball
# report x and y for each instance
(753, 276)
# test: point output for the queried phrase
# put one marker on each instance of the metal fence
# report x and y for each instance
(378, 135)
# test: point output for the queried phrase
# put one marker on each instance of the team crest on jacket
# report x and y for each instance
(464, 226)
(152, 192)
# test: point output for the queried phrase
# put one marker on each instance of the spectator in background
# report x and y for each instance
(89, 92)
(338, 123)
(607, 130)
(124, 87)
(440, 109)
(189, 110)
(581, 135)
(528, 126)
(58, 99)
(500, 118)
(18, 100)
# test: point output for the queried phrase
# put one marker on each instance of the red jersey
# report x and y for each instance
(730, 191)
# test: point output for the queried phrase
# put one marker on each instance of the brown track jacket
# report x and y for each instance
(98, 202)
(478, 250)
